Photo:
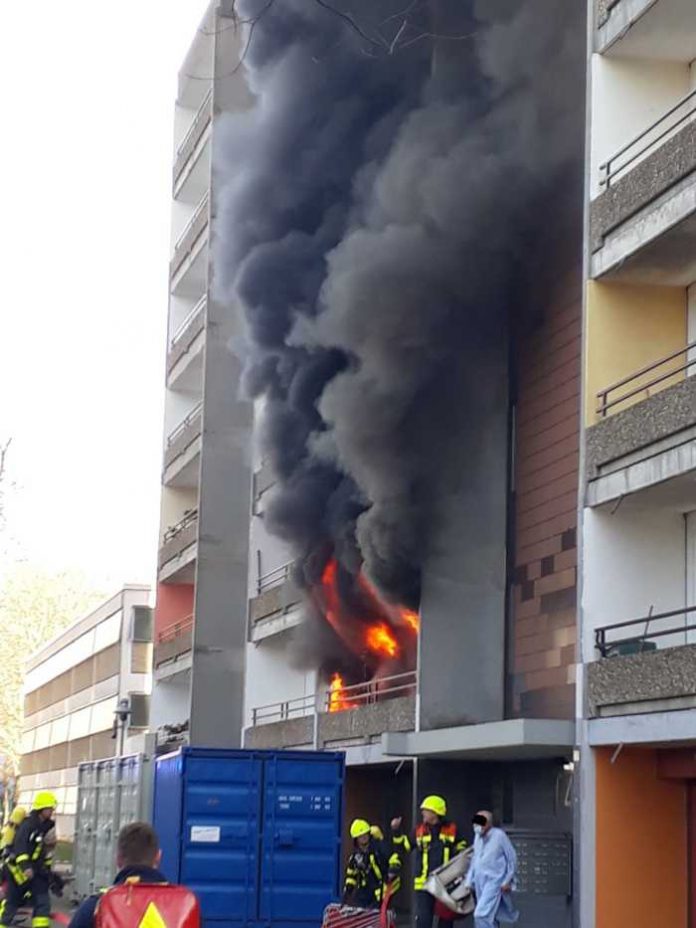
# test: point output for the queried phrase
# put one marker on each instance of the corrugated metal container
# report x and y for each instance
(255, 834)
(110, 794)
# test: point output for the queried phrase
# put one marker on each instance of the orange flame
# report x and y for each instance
(411, 618)
(381, 640)
(337, 696)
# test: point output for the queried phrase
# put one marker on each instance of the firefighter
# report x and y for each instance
(435, 841)
(29, 872)
(369, 867)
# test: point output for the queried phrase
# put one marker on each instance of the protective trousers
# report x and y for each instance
(38, 898)
(423, 909)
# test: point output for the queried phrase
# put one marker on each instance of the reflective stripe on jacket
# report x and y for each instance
(434, 845)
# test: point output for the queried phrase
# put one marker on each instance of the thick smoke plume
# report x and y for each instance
(376, 218)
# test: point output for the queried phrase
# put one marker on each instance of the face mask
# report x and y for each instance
(478, 829)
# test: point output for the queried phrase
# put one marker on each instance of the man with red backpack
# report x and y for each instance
(140, 893)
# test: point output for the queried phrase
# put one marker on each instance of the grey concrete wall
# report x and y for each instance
(289, 733)
(217, 681)
(462, 640)
(650, 679)
(179, 542)
(280, 597)
(368, 721)
(666, 166)
(652, 420)
(166, 650)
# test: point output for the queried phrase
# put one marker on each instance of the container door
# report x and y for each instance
(301, 837)
(107, 814)
(167, 812)
(85, 830)
(129, 786)
(220, 834)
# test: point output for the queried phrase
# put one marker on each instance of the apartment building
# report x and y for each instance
(72, 688)
(638, 600)
(486, 714)
(200, 613)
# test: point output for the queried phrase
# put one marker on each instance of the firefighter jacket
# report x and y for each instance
(28, 852)
(367, 874)
(433, 846)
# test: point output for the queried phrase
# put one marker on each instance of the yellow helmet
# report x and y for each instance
(44, 799)
(19, 813)
(359, 828)
(435, 804)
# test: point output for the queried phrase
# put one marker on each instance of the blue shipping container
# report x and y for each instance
(255, 834)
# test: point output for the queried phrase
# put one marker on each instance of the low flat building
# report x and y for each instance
(72, 688)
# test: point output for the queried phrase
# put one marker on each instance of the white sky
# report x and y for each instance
(85, 166)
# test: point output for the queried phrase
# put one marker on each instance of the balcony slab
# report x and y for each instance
(289, 733)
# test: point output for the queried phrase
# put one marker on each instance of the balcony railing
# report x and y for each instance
(186, 334)
(175, 630)
(188, 144)
(365, 694)
(179, 536)
(648, 140)
(349, 697)
(274, 578)
(192, 232)
(282, 711)
(643, 639)
(680, 362)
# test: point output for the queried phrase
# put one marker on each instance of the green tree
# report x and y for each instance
(35, 605)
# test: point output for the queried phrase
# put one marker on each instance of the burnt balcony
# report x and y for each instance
(190, 174)
(185, 355)
(646, 29)
(173, 645)
(183, 450)
(275, 608)
(646, 434)
(643, 224)
(178, 551)
(346, 717)
(189, 264)
(644, 665)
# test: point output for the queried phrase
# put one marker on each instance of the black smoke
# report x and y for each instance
(378, 215)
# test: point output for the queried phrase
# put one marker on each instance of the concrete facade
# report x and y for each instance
(201, 612)
(72, 687)
(636, 703)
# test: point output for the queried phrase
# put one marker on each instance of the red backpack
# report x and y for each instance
(148, 905)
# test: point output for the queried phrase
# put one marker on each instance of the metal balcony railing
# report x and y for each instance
(648, 140)
(187, 332)
(184, 425)
(680, 362)
(192, 232)
(175, 629)
(364, 694)
(274, 578)
(610, 646)
(199, 124)
(282, 711)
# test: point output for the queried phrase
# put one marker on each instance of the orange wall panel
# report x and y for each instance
(641, 829)
(174, 603)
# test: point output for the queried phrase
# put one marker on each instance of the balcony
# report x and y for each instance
(191, 171)
(178, 551)
(358, 715)
(646, 29)
(185, 355)
(183, 450)
(189, 264)
(263, 480)
(645, 665)
(646, 436)
(643, 224)
(275, 608)
(172, 647)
